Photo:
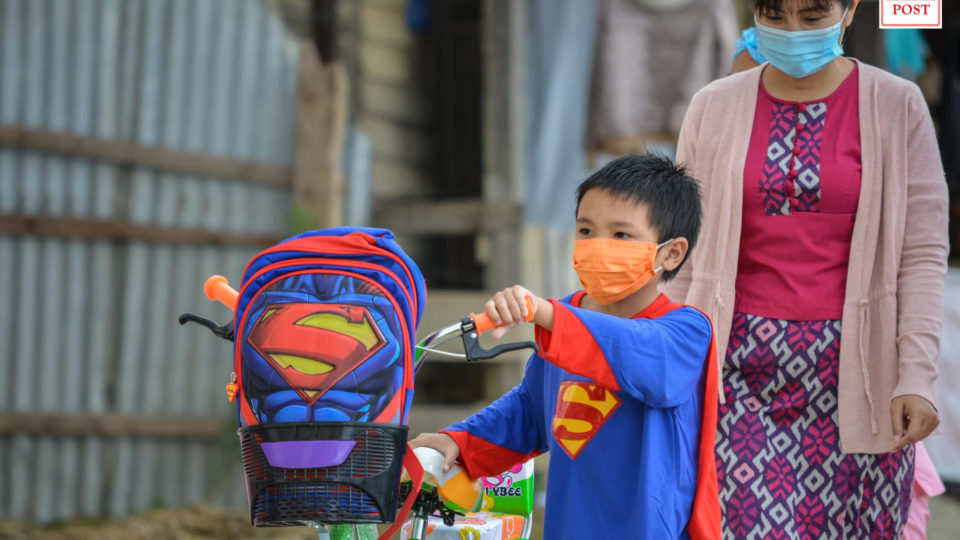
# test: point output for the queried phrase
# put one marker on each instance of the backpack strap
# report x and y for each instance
(415, 470)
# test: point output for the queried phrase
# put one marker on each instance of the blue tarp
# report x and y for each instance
(559, 60)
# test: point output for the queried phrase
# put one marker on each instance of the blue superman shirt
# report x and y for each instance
(618, 403)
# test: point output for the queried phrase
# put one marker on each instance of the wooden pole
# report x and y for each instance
(321, 119)
(111, 425)
(124, 231)
(135, 155)
(503, 149)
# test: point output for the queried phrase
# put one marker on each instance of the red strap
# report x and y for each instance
(415, 470)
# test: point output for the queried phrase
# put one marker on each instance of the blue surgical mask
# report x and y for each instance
(803, 52)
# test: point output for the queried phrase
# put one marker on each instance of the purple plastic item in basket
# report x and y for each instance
(307, 454)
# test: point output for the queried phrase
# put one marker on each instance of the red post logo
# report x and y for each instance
(911, 14)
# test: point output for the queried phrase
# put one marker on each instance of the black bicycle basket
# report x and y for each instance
(326, 472)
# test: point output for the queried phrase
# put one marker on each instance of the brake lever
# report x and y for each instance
(225, 331)
(476, 352)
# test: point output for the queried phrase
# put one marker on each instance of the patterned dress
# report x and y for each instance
(781, 470)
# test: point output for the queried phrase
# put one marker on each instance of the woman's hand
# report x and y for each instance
(913, 419)
(441, 442)
(509, 308)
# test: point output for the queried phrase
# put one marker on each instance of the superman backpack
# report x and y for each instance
(323, 335)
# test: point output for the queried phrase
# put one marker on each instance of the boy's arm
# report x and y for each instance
(507, 432)
(658, 361)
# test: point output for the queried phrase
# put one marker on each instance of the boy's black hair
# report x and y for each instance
(776, 6)
(672, 197)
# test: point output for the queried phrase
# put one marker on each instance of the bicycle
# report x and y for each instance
(444, 495)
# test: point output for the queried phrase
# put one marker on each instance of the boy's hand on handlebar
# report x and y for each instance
(508, 308)
(441, 442)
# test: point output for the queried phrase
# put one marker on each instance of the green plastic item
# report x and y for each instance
(364, 531)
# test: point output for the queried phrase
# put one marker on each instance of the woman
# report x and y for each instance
(825, 209)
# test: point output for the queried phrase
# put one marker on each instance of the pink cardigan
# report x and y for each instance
(892, 310)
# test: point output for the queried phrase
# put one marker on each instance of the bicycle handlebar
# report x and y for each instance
(482, 322)
(217, 288)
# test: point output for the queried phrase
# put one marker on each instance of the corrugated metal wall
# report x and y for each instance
(89, 325)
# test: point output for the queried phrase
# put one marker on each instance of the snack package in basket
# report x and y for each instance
(473, 526)
(511, 492)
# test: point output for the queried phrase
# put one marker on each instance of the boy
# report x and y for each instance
(623, 392)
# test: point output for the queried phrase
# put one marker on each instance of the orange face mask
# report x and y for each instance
(611, 269)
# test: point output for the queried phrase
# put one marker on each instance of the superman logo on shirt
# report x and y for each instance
(582, 409)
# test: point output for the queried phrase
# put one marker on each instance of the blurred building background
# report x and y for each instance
(147, 144)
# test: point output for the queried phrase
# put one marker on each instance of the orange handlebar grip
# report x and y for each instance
(482, 321)
(217, 288)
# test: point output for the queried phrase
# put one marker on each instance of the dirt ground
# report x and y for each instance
(207, 522)
(195, 522)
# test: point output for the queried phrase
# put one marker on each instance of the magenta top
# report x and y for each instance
(801, 184)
